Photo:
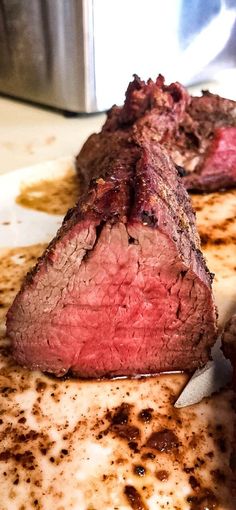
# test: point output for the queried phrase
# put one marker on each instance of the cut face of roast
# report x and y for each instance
(217, 167)
(123, 288)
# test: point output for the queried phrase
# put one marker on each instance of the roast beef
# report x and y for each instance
(152, 107)
(210, 125)
(123, 288)
(198, 132)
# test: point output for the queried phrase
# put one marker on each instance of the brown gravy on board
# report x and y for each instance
(54, 196)
(148, 443)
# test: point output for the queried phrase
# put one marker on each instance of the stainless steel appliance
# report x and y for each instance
(79, 55)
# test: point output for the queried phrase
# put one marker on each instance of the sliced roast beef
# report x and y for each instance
(212, 128)
(217, 170)
(123, 288)
(198, 132)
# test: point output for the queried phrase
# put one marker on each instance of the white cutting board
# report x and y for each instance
(58, 449)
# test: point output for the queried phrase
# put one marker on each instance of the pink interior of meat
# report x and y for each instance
(221, 156)
(126, 308)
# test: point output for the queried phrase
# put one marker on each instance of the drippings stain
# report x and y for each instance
(163, 440)
(139, 470)
(120, 415)
(128, 432)
(134, 498)
(162, 475)
(53, 196)
(50, 429)
(216, 229)
(145, 415)
(205, 500)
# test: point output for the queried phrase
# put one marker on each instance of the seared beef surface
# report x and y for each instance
(123, 288)
(198, 132)
(151, 108)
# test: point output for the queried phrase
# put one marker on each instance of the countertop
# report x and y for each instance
(31, 134)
